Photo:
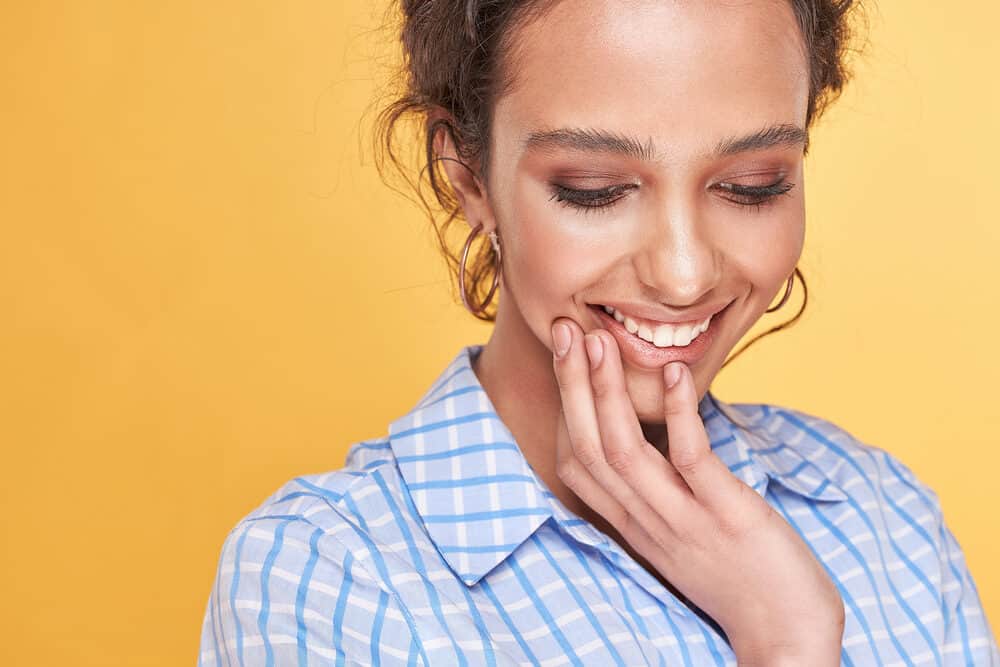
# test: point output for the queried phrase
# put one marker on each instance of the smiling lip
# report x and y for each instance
(644, 354)
(654, 316)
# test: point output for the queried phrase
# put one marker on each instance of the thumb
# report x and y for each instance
(672, 374)
(685, 435)
(688, 445)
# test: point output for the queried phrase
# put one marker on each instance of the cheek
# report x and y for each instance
(552, 261)
(764, 248)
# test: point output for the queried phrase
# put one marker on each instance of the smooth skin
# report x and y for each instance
(612, 443)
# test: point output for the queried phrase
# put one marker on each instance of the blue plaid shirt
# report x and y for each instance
(439, 545)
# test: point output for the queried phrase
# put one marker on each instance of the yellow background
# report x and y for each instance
(206, 290)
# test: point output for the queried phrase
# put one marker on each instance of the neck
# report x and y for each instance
(515, 370)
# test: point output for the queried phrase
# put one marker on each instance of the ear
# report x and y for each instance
(469, 189)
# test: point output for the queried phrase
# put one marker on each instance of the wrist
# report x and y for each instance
(815, 645)
(817, 654)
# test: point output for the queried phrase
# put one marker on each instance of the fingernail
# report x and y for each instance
(561, 339)
(672, 374)
(595, 349)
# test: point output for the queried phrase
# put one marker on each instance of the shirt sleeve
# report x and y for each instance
(289, 593)
(968, 640)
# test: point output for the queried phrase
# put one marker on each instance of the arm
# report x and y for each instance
(288, 593)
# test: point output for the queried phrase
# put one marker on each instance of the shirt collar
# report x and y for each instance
(769, 451)
(478, 497)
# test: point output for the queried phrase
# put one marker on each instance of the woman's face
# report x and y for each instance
(660, 115)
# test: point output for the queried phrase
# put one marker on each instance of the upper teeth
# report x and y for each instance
(663, 335)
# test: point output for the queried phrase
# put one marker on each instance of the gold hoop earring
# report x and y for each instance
(788, 292)
(477, 310)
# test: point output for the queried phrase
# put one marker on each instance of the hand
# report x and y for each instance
(702, 528)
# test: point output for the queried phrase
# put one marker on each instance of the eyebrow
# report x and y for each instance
(776, 135)
(605, 141)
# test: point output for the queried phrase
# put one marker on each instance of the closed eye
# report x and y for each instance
(756, 196)
(590, 200)
(751, 197)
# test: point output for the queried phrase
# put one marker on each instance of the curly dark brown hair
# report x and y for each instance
(457, 61)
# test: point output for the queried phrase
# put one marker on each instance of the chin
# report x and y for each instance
(646, 393)
(645, 390)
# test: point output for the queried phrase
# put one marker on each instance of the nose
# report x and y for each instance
(676, 258)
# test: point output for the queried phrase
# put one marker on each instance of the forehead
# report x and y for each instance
(682, 73)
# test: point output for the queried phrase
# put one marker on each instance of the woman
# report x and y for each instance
(572, 492)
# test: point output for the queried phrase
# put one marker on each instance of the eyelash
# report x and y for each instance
(605, 198)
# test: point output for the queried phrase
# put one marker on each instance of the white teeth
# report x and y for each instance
(683, 335)
(665, 335)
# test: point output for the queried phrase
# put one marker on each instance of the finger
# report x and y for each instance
(689, 449)
(573, 377)
(575, 476)
(579, 480)
(624, 443)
